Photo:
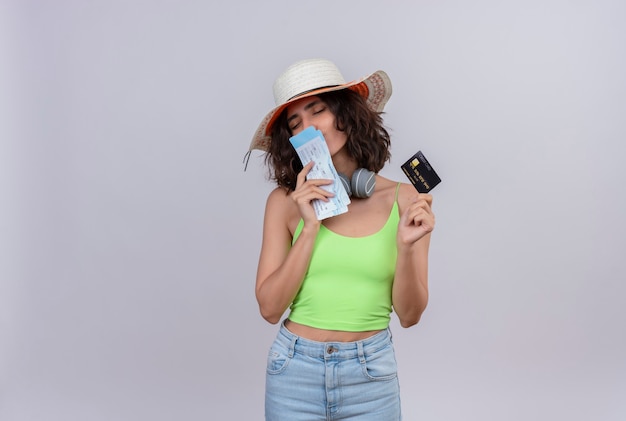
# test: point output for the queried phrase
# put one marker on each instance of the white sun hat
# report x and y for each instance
(312, 77)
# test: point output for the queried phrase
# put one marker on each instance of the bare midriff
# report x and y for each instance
(323, 335)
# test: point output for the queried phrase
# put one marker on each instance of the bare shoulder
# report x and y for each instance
(278, 201)
(279, 194)
(389, 185)
(281, 208)
(407, 194)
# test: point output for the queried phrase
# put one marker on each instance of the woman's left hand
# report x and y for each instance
(417, 220)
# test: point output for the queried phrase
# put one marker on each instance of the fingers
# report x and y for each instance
(425, 196)
(302, 174)
(312, 190)
(416, 221)
(420, 213)
(309, 190)
(422, 200)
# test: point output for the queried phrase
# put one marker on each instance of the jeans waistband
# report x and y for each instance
(338, 350)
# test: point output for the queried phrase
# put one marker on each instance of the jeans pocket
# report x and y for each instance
(380, 365)
(277, 360)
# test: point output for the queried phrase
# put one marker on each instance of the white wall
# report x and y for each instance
(130, 232)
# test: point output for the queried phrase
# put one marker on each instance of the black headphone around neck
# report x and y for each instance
(362, 183)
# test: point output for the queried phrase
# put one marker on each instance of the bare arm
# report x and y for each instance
(410, 287)
(282, 266)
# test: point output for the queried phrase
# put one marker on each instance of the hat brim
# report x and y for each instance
(375, 88)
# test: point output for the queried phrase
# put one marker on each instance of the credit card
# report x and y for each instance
(421, 173)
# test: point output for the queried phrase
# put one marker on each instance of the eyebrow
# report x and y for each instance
(306, 107)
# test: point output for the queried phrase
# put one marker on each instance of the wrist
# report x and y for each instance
(310, 229)
(405, 247)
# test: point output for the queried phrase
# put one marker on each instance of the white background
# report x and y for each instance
(129, 231)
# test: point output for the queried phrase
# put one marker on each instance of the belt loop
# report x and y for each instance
(359, 346)
(292, 346)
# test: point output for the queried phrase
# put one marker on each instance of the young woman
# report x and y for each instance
(340, 277)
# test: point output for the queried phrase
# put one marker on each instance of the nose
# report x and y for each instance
(307, 121)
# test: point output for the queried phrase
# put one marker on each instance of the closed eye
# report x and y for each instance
(319, 110)
(313, 108)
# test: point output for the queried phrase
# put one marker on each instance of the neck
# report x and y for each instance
(344, 165)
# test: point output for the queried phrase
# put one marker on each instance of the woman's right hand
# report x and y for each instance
(308, 190)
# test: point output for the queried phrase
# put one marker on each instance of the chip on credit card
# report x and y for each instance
(421, 173)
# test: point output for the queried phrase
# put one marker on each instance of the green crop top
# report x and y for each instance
(348, 283)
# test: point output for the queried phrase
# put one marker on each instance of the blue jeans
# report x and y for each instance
(308, 380)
